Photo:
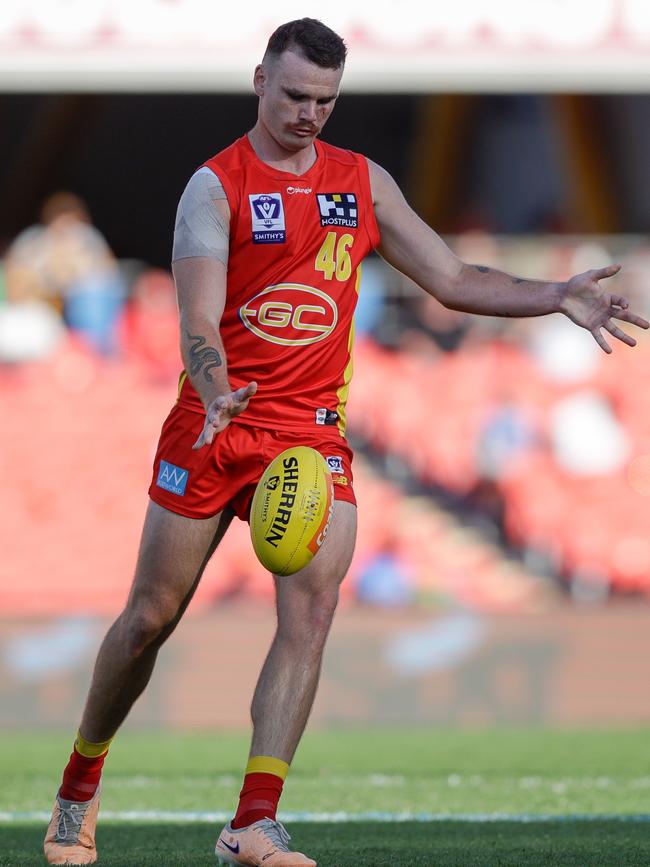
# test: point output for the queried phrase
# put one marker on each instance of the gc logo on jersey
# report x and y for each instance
(338, 209)
(290, 314)
(267, 217)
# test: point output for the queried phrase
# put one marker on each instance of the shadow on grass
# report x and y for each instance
(368, 844)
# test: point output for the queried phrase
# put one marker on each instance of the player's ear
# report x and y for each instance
(259, 79)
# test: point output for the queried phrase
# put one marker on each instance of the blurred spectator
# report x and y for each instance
(506, 433)
(384, 578)
(369, 312)
(65, 262)
(564, 353)
(149, 331)
(587, 438)
(28, 332)
(446, 328)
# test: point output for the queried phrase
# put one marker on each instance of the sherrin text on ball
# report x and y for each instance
(291, 510)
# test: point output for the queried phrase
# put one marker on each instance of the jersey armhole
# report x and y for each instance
(229, 190)
(372, 228)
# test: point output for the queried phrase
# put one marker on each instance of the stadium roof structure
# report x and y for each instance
(202, 45)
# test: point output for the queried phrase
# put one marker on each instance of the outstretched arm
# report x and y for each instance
(412, 247)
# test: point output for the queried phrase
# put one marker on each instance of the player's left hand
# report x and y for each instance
(221, 412)
(593, 308)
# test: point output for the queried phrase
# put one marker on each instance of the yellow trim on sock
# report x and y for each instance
(267, 765)
(90, 751)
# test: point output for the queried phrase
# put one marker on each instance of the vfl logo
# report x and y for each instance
(172, 478)
(267, 218)
(335, 464)
(290, 314)
(338, 209)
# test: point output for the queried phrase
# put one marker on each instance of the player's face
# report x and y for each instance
(296, 98)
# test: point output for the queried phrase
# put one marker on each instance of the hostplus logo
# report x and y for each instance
(338, 209)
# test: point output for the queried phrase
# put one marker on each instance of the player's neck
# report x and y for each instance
(273, 154)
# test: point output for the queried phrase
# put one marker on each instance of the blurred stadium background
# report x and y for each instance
(503, 467)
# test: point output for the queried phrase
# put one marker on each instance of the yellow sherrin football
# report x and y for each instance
(291, 510)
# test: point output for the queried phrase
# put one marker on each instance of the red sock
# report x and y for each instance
(81, 777)
(258, 799)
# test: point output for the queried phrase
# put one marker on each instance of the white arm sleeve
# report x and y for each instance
(200, 229)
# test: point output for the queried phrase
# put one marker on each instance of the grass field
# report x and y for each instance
(405, 798)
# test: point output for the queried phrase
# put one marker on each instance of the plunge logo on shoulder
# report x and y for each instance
(172, 478)
(267, 218)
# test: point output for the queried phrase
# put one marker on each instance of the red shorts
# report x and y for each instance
(201, 483)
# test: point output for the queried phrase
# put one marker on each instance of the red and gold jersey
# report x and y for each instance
(296, 247)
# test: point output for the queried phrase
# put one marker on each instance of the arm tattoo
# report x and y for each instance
(482, 269)
(202, 358)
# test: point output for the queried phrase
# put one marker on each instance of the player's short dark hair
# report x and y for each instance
(313, 39)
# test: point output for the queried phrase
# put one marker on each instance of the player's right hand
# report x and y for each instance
(221, 412)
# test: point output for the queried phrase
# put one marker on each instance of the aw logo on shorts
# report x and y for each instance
(267, 216)
(172, 478)
(290, 314)
(338, 209)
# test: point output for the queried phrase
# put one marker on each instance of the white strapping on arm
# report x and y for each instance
(200, 228)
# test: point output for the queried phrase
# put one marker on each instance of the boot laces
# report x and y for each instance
(70, 821)
(276, 833)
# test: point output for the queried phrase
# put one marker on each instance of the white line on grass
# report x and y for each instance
(8, 817)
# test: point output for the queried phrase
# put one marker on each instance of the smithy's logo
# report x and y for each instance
(267, 218)
(172, 478)
(290, 314)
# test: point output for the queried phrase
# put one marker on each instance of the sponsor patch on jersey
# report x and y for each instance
(290, 314)
(326, 416)
(338, 209)
(340, 480)
(267, 217)
(172, 478)
(335, 463)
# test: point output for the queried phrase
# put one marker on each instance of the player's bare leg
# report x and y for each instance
(173, 553)
(284, 696)
(306, 603)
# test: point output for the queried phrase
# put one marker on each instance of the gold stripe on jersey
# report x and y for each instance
(343, 390)
(181, 383)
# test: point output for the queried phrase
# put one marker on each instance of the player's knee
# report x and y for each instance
(308, 623)
(144, 628)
